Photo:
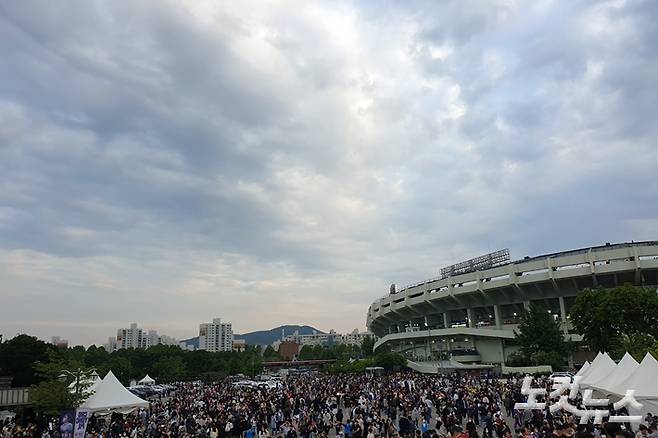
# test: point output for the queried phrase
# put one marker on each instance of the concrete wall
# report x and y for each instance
(490, 350)
(527, 370)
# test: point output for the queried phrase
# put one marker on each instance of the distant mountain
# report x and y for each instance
(192, 342)
(262, 337)
(266, 337)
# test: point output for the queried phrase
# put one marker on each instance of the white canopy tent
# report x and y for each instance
(644, 380)
(626, 367)
(589, 367)
(645, 383)
(147, 380)
(601, 367)
(112, 396)
(583, 369)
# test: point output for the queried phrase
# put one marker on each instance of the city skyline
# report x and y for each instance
(190, 334)
(167, 162)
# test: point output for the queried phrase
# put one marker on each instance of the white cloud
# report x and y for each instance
(241, 160)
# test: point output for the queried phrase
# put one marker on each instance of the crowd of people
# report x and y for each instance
(318, 405)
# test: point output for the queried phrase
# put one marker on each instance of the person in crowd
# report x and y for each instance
(318, 405)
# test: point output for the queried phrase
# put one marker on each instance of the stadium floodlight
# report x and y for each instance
(486, 261)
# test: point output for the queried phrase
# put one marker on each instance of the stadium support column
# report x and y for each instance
(565, 329)
(526, 305)
(563, 315)
(469, 315)
(446, 322)
(499, 324)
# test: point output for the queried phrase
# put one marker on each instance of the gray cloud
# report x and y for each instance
(167, 162)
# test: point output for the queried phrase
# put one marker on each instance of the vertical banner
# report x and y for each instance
(65, 424)
(81, 419)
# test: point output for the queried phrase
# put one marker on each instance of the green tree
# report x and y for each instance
(52, 368)
(121, 367)
(601, 315)
(55, 393)
(540, 333)
(518, 359)
(367, 346)
(169, 369)
(18, 356)
(76, 353)
(552, 358)
(235, 366)
(636, 344)
(51, 397)
(256, 362)
(307, 353)
(389, 361)
(96, 356)
(271, 354)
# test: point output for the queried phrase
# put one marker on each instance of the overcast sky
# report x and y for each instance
(267, 163)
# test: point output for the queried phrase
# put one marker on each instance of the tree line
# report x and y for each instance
(24, 357)
(619, 320)
(616, 320)
(31, 361)
(39, 365)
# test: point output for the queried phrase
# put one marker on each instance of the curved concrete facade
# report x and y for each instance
(475, 314)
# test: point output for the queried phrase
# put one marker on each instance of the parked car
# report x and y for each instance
(568, 374)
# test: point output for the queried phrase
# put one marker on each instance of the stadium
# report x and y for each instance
(466, 317)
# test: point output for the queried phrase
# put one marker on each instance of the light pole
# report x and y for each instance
(77, 375)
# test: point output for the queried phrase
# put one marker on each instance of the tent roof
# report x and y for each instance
(644, 380)
(147, 379)
(112, 396)
(589, 368)
(583, 369)
(601, 367)
(626, 367)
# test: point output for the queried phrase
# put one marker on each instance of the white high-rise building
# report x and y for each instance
(216, 336)
(151, 338)
(168, 340)
(355, 337)
(135, 337)
(111, 344)
(132, 337)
